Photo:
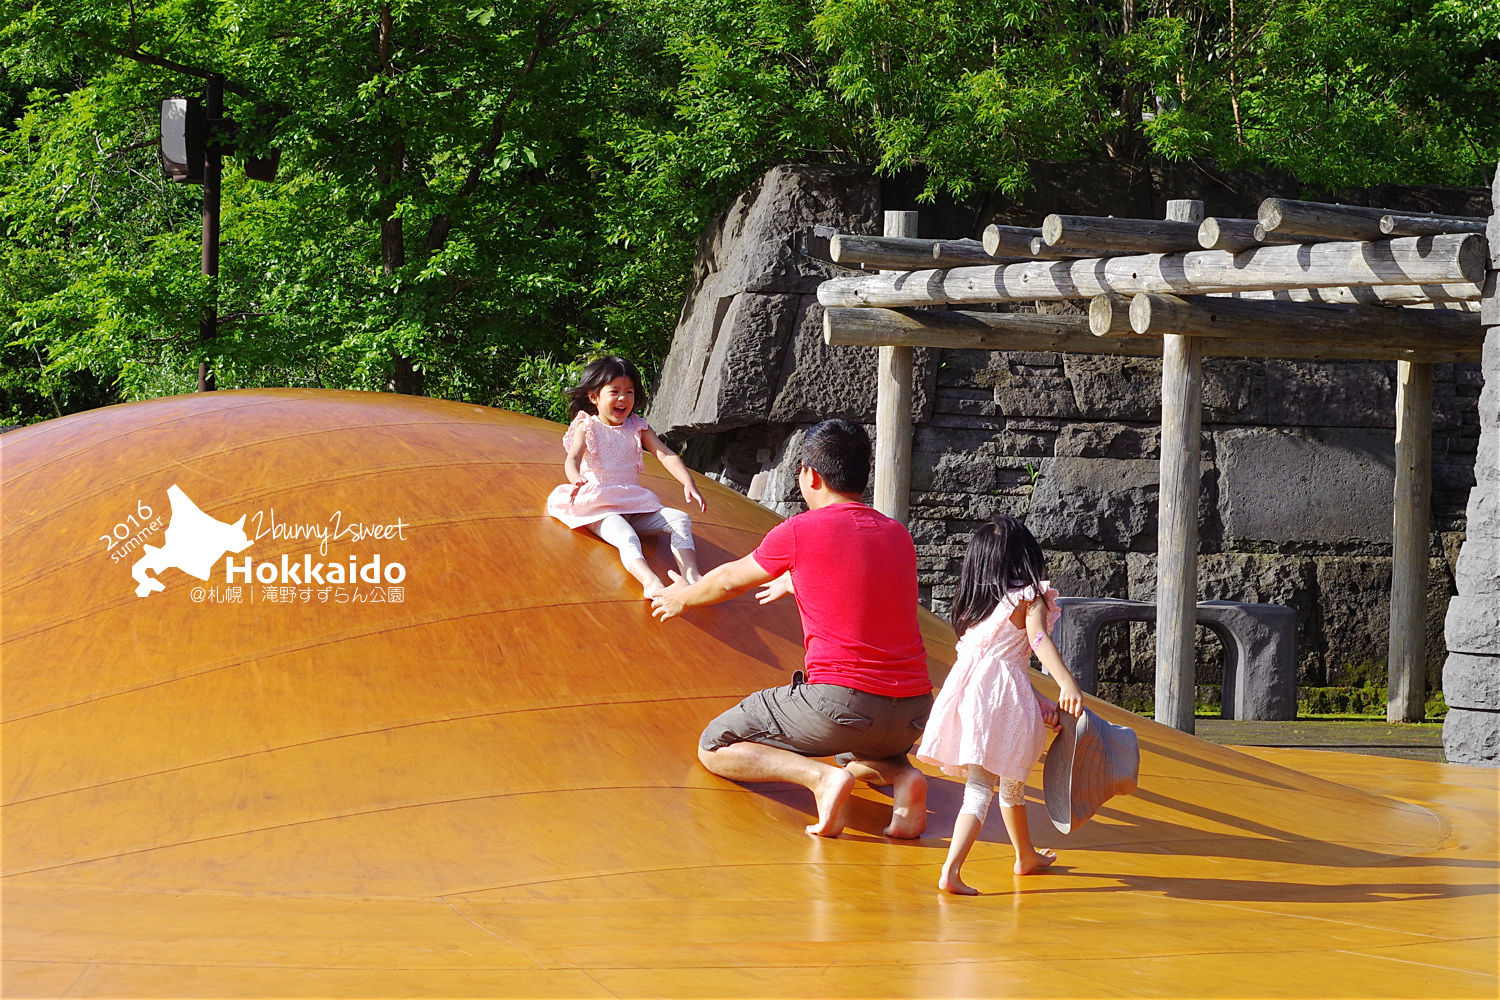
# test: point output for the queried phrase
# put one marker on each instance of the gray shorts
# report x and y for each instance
(822, 720)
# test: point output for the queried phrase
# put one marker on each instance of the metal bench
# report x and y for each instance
(1260, 649)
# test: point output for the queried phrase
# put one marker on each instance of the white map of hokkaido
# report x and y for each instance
(194, 542)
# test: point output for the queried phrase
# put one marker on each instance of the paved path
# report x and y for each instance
(1417, 741)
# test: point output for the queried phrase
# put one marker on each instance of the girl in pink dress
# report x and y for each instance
(603, 494)
(988, 725)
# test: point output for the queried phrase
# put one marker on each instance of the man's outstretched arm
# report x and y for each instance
(718, 584)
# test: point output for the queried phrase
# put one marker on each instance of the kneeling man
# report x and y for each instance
(866, 693)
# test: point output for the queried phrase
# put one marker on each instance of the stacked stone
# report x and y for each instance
(1297, 487)
(1471, 677)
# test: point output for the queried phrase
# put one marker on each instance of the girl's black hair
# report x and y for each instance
(598, 374)
(1002, 556)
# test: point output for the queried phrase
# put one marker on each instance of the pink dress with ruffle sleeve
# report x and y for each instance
(611, 467)
(986, 712)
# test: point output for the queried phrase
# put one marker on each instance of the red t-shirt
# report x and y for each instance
(854, 571)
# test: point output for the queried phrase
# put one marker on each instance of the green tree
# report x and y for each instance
(434, 229)
(1340, 92)
(475, 194)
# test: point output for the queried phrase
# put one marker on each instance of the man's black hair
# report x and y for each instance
(840, 451)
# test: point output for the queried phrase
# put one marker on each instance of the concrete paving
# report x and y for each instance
(1413, 741)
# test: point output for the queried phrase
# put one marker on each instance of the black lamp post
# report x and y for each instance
(194, 138)
(213, 175)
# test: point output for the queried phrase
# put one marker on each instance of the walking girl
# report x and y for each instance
(988, 725)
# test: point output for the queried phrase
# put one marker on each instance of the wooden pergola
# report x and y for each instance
(1302, 280)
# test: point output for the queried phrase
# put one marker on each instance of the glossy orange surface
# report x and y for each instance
(484, 784)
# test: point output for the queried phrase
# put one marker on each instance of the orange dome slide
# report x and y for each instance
(376, 726)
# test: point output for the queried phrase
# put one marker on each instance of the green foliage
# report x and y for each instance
(474, 196)
(437, 218)
(1367, 700)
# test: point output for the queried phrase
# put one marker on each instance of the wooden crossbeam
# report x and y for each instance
(894, 252)
(1450, 259)
(1426, 225)
(1463, 296)
(1009, 241)
(1111, 235)
(1234, 235)
(962, 253)
(989, 331)
(1339, 222)
(1041, 251)
(1355, 327)
(1267, 236)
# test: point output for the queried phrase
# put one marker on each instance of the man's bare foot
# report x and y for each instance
(950, 882)
(1037, 861)
(832, 795)
(909, 812)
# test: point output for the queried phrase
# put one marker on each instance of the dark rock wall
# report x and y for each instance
(1298, 456)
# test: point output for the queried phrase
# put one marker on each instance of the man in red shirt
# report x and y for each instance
(866, 693)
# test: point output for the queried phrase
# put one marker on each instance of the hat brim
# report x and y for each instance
(1090, 761)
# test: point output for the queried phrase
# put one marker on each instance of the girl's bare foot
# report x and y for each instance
(1037, 861)
(832, 796)
(950, 882)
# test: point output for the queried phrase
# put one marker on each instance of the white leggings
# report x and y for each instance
(623, 531)
(980, 788)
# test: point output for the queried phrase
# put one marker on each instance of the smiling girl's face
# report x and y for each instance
(615, 400)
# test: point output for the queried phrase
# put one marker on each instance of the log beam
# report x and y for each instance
(964, 253)
(1426, 225)
(1009, 241)
(896, 253)
(1306, 323)
(1111, 235)
(1266, 236)
(988, 331)
(1040, 250)
(1339, 222)
(1234, 235)
(1455, 295)
(1109, 316)
(1448, 259)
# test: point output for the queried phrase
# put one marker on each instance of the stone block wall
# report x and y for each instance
(1298, 456)
(1471, 676)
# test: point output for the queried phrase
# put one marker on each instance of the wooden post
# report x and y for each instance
(1177, 517)
(893, 398)
(1406, 665)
